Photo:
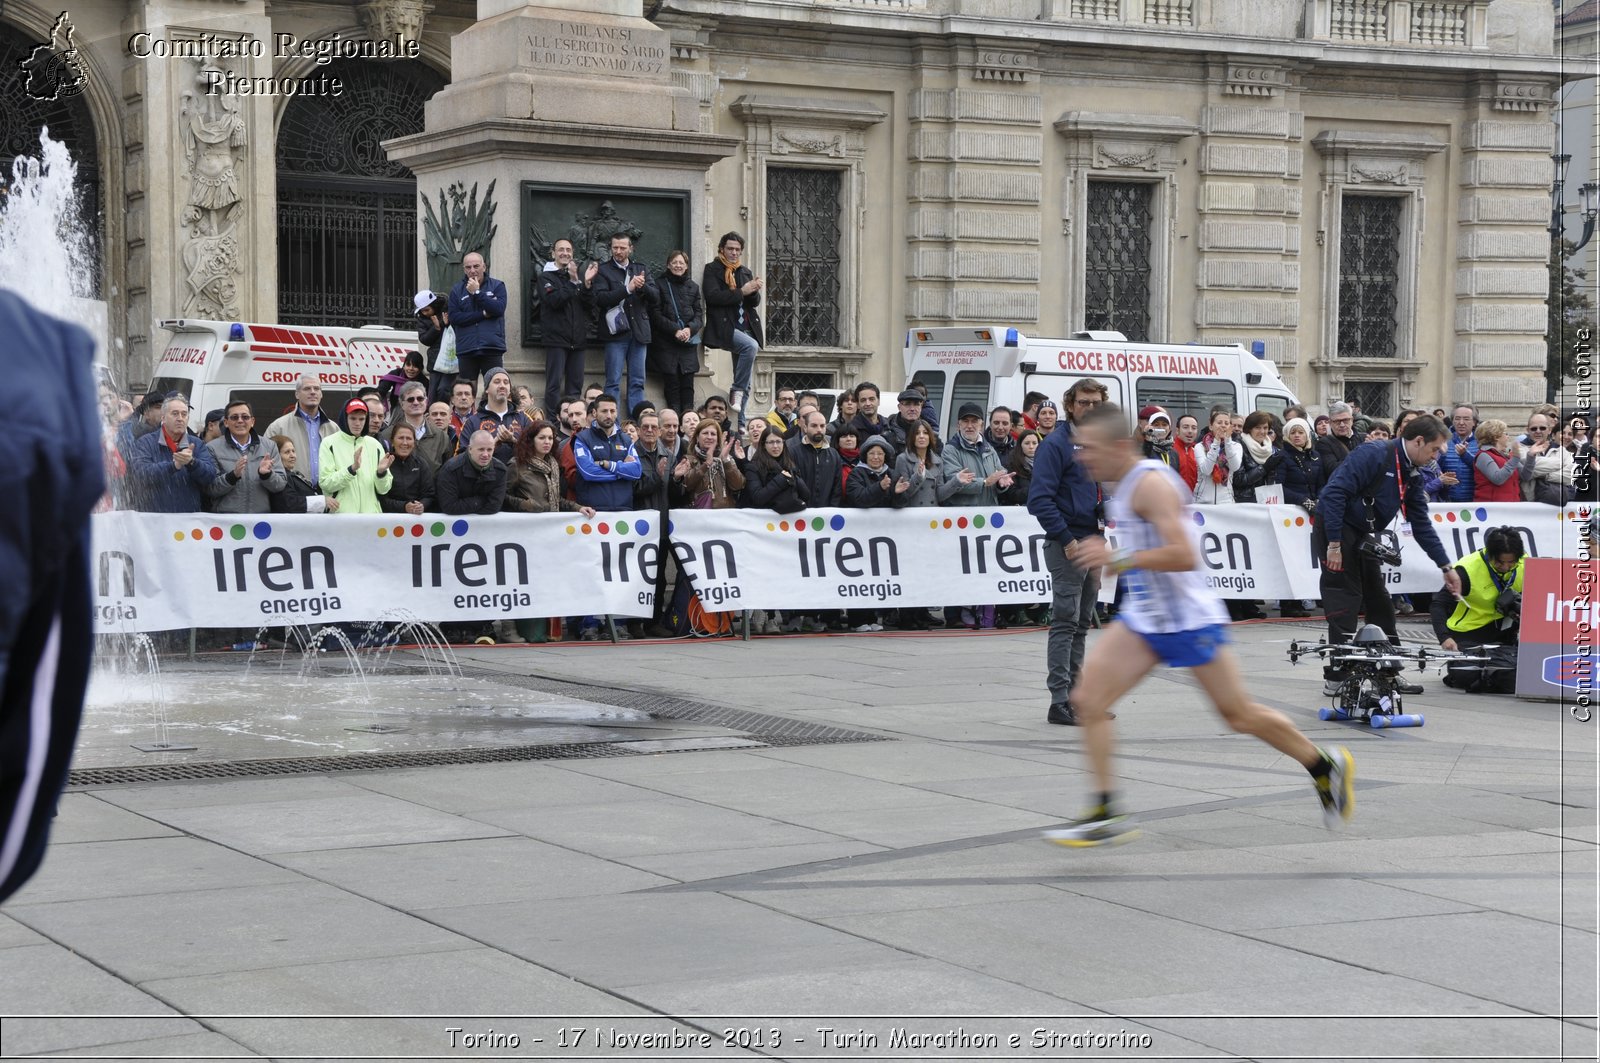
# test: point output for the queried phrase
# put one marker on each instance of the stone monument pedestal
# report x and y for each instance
(558, 124)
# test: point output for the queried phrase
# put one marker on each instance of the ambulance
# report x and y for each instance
(212, 363)
(998, 366)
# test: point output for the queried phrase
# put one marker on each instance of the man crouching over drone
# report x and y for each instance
(1487, 614)
(1377, 482)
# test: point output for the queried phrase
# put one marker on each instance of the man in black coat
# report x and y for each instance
(566, 318)
(624, 295)
(732, 294)
(816, 462)
(473, 482)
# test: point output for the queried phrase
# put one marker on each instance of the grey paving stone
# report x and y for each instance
(690, 866)
(87, 870)
(481, 787)
(637, 939)
(169, 934)
(660, 824)
(1447, 951)
(203, 1045)
(47, 979)
(13, 934)
(357, 818)
(207, 792)
(87, 818)
(132, 1038)
(930, 821)
(1274, 899)
(1079, 948)
(475, 981)
(811, 900)
(487, 871)
(908, 762)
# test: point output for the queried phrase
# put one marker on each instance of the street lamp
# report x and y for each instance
(1589, 203)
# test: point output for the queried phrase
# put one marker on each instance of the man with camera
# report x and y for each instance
(1350, 531)
(1488, 614)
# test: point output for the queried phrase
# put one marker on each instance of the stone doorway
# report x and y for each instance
(347, 215)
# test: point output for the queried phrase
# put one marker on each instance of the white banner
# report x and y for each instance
(160, 571)
(156, 571)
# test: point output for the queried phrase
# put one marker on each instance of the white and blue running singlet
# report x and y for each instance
(1159, 602)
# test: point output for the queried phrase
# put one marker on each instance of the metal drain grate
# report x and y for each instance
(760, 729)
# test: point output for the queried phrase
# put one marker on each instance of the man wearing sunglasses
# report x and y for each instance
(434, 446)
(249, 470)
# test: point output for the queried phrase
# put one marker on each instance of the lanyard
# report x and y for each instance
(1400, 480)
(1499, 584)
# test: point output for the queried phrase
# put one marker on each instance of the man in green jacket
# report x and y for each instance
(353, 467)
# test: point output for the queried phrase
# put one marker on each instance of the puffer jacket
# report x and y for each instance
(819, 468)
(1302, 474)
(566, 310)
(981, 460)
(252, 492)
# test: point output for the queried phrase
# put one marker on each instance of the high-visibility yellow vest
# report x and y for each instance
(1477, 609)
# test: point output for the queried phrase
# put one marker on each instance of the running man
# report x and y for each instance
(1168, 617)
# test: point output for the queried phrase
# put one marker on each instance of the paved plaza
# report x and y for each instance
(751, 891)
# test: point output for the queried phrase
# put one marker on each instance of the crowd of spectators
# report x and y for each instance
(498, 451)
(427, 439)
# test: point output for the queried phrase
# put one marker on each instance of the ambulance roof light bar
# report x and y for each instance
(1100, 336)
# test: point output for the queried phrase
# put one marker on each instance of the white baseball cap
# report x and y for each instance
(423, 299)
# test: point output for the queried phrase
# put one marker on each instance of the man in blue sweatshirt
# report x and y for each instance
(1066, 503)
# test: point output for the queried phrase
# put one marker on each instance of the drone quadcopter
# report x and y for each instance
(1372, 665)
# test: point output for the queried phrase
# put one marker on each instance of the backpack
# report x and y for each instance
(688, 617)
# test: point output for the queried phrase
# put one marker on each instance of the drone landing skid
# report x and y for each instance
(1376, 720)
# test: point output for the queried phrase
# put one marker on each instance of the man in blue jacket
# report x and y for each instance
(608, 465)
(171, 469)
(1066, 503)
(1361, 498)
(51, 476)
(478, 315)
(1460, 455)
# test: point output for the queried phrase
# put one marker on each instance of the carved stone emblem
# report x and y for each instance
(456, 231)
(215, 140)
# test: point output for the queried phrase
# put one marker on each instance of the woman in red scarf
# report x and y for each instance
(1217, 457)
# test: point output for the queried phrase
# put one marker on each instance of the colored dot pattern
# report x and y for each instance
(621, 527)
(237, 532)
(422, 531)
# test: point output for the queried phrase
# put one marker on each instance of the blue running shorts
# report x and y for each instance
(1187, 649)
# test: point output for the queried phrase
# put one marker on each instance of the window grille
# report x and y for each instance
(1369, 276)
(803, 257)
(1117, 272)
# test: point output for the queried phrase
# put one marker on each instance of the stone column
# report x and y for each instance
(1502, 275)
(559, 94)
(200, 179)
(975, 185)
(1250, 158)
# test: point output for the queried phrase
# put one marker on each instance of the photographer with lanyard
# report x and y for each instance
(1350, 532)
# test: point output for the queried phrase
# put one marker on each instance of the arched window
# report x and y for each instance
(22, 117)
(347, 216)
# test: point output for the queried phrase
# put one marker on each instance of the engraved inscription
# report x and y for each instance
(580, 48)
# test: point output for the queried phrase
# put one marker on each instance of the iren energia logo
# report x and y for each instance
(301, 581)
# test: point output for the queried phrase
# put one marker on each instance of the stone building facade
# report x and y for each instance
(1362, 185)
